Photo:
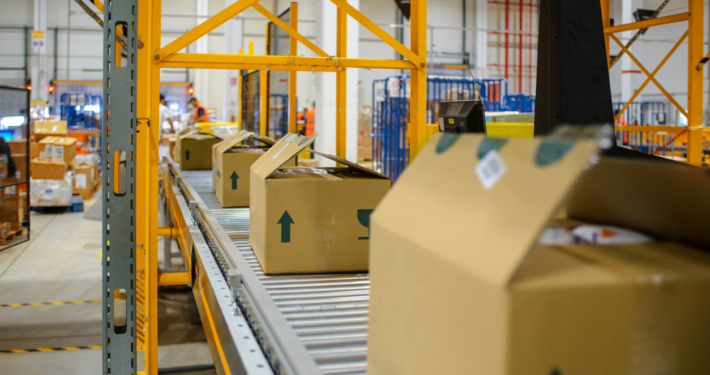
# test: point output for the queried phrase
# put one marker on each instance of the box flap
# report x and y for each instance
(241, 137)
(480, 203)
(49, 139)
(349, 164)
(667, 201)
(286, 148)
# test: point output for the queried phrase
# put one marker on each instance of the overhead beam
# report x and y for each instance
(379, 32)
(202, 29)
(290, 30)
(648, 23)
(287, 63)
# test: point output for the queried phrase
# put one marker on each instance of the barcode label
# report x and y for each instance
(490, 169)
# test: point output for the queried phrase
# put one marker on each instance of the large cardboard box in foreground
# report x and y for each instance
(231, 161)
(460, 285)
(311, 220)
(194, 150)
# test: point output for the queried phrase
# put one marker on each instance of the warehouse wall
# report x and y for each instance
(650, 49)
(445, 42)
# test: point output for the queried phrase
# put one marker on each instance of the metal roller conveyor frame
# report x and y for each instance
(254, 338)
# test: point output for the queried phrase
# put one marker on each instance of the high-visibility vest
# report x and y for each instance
(310, 122)
(205, 117)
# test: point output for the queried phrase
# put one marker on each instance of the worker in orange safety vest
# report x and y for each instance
(200, 111)
(311, 121)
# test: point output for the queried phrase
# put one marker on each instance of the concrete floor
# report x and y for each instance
(59, 264)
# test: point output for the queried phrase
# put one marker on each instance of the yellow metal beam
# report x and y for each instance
(146, 161)
(418, 119)
(173, 278)
(249, 67)
(190, 60)
(264, 93)
(292, 76)
(341, 86)
(651, 77)
(648, 23)
(380, 33)
(696, 9)
(101, 83)
(99, 5)
(653, 129)
(648, 79)
(240, 83)
(293, 33)
(205, 27)
(166, 232)
(606, 21)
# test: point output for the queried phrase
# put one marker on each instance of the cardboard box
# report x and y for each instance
(308, 163)
(85, 178)
(21, 171)
(18, 147)
(311, 220)
(34, 150)
(10, 208)
(47, 170)
(364, 153)
(459, 284)
(54, 127)
(57, 149)
(232, 159)
(194, 150)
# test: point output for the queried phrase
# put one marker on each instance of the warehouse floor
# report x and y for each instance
(61, 264)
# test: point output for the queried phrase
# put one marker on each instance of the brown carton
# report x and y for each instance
(10, 208)
(231, 161)
(194, 150)
(53, 127)
(34, 150)
(18, 147)
(308, 220)
(47, 170)
(21, 171)
(85, 178)
(57, 149)
(459, 284)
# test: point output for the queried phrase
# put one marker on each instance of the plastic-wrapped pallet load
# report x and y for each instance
(460, 284)
(51, 192)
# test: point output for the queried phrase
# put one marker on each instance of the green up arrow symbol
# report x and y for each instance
(286, 222)
(234, 177)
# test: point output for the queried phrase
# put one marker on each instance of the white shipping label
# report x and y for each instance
(10, 190)
(57, 153)
(490, 169)
(46, 154)
(80, 181)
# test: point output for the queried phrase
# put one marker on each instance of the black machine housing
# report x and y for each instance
(462, 116)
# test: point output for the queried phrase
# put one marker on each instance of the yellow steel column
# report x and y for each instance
(293, 51)
(263, 91)
(239, 96)
(695, 82)
(341, 77)
(147, 94)
(606, 21)
(417, 119)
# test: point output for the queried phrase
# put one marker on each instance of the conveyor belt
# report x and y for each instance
(328, 312)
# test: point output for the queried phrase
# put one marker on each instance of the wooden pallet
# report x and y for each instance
(10, 235)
